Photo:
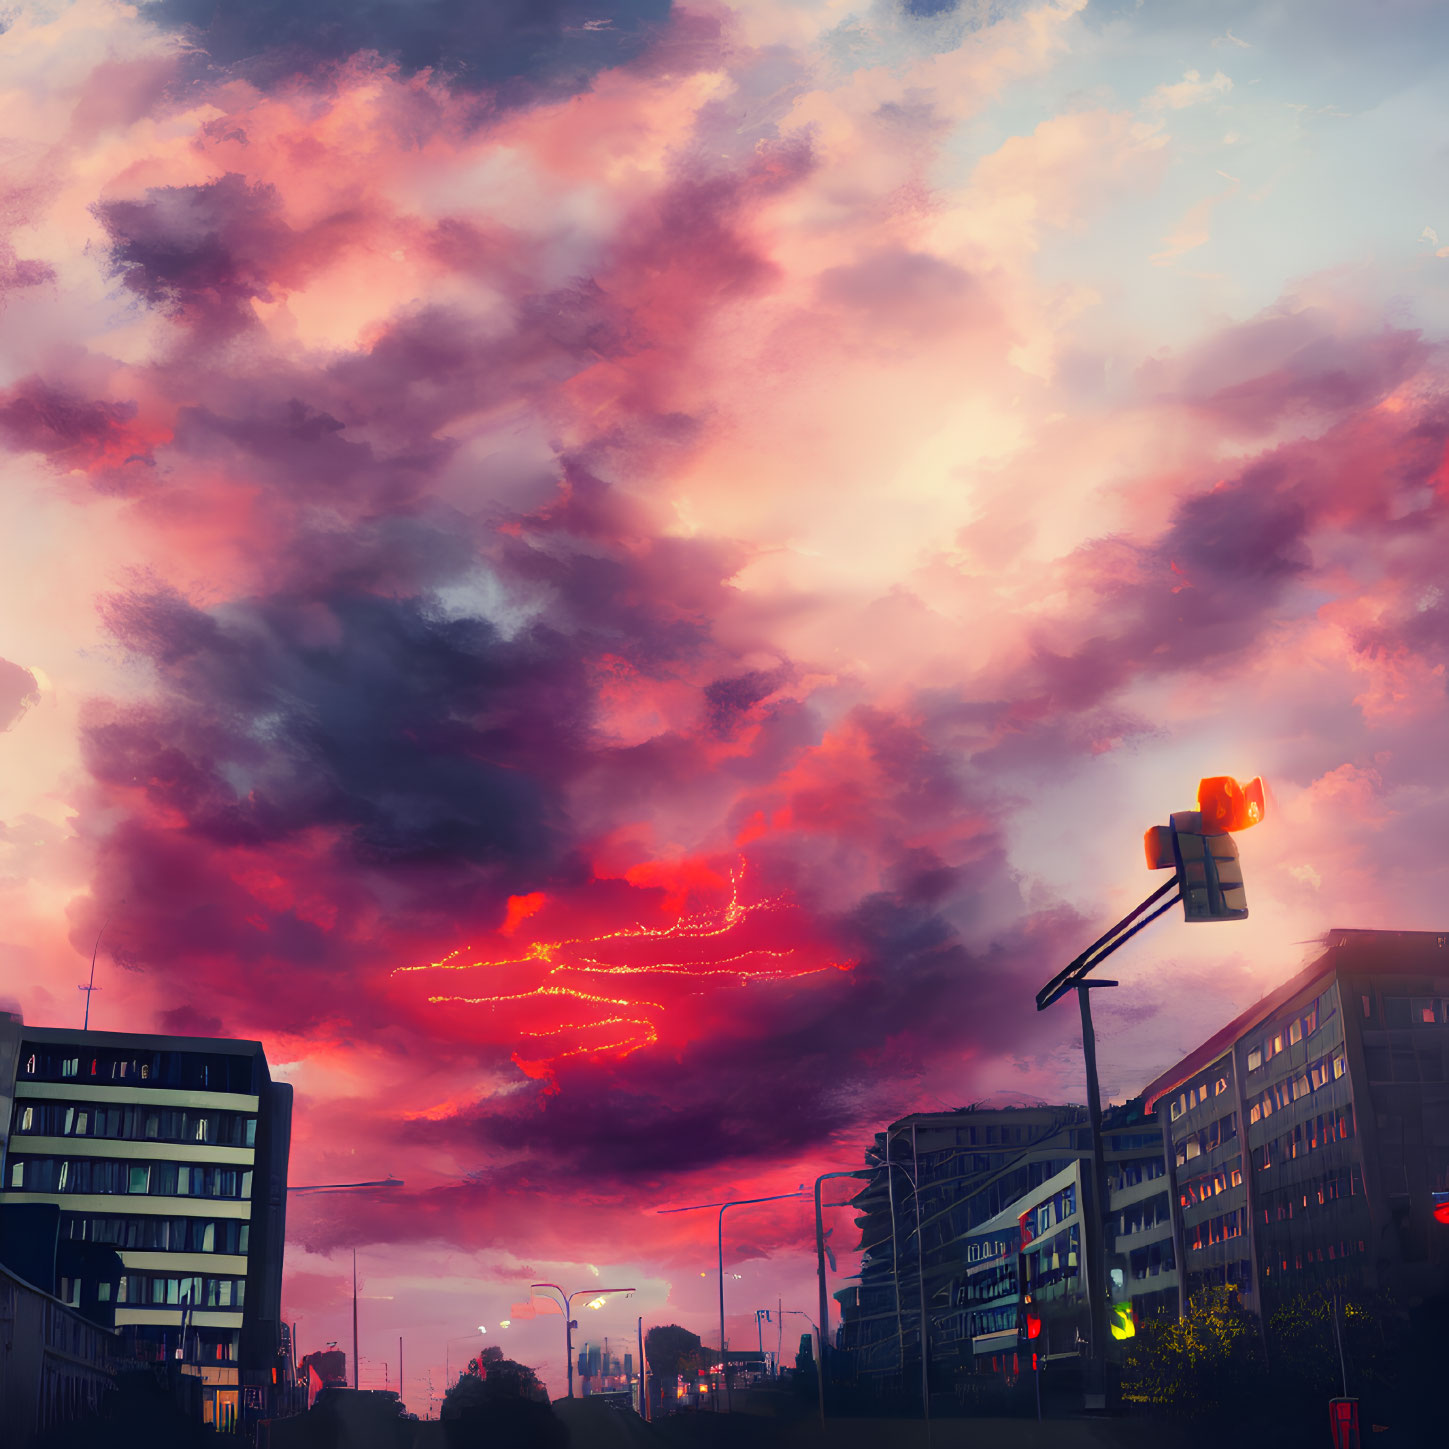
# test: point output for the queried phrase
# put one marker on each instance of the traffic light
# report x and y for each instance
(1121, 1322)
(1440, 1204)
(1199, 845)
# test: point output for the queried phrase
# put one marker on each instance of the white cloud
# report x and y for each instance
(1191, 89)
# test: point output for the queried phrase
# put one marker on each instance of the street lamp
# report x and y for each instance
(447, 1361)
(736, 1202)
(596, 1297)
(820, 1331)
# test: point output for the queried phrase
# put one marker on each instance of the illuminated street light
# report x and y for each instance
(570, 1323)
(800, 1191)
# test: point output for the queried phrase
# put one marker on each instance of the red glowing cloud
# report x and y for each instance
(607, 992)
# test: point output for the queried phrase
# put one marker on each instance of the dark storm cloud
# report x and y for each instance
(517, 49)
(204, 252)
(794, 1063)
(420, 737)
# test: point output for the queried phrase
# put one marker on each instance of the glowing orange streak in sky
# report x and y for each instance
(698, 927)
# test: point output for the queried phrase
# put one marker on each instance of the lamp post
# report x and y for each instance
(566, 1301)
(447, 1360)
(735, 1202)
(912, 1178)
(350, 1187)
(820, 1274)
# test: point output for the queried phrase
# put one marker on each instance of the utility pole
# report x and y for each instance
(354, 1318)
(399, 1368)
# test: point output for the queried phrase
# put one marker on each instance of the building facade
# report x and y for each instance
(55, 1364)
(1307, 1139)
(1303, 1146)
(977, 1169)
(171, 1151)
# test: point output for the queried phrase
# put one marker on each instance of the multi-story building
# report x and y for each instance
(977, 1169)
(1305, 1144)
(173, 1152)
(1308, 1137)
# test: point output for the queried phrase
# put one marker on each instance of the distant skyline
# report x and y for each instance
(619, 583)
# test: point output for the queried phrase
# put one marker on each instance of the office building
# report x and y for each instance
(172, 1151)
(980, 1171)
(1308, 1137)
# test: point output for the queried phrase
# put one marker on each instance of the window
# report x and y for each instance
(70, 1067)
(27, 1119)
(17, 1174)
(1221, 1087)
(140, 1178)
(1255, 1058)
(1295, 1033)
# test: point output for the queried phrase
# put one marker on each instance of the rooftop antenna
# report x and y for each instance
(91, 986)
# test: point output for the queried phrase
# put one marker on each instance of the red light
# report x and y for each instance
(1033, 1326)
(1227, 806)
(1441, 1207)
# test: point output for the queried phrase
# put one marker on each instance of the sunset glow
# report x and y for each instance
(618, 584)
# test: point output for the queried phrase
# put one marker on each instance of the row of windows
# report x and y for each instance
(1053, 1260)
(982, 1250)
(1132, 1141)
(99, 1175)
(1402, 1011)
(154, 1343)
(160, 1289)
(1216, 1229)
(983, 1287)
(135, 1124)
(1145, 1214)
(1403, 1064)
(1308, 1136)
(1305, 1197)
(158, 1234)
(1332, 1253)
(1149, 1261)
(1225, 1129)
(1140, 1170)
(1290, 1033)
(1199, 1189)
(993, 1320)
(1045, 1216)
(1290, 1089)
(1215, 1085)
(206, 1071)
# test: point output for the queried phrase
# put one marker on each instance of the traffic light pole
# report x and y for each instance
(1096, 1206)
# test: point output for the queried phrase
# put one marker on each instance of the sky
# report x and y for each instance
(619, 582)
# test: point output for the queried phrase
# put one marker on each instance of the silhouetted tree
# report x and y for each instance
(501, 1404)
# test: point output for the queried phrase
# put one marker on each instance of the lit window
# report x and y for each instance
(17, 1174)
(27, 1119)
(1221, 1087)
(140, 1178)
(30, 1065)
(63, 1178)
(1255, 1059)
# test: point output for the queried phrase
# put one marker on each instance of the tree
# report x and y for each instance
(501, 1404)
(1202, 1369)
